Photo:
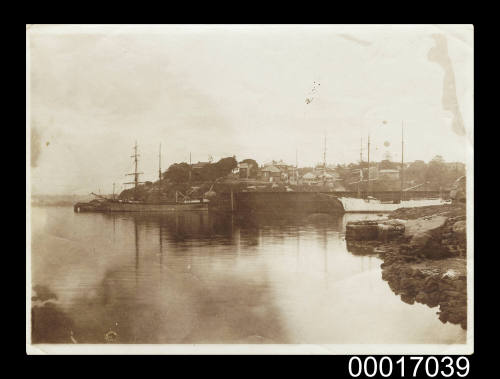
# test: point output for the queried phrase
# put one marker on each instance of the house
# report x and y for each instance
(326, 177)
(282, 166)
(288, 172)
(309, 178)
(271, 174)
(330, 169)
(244, 170)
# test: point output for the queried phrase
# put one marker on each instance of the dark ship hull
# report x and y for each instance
(116, 206)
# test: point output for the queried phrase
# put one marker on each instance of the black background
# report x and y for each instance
(482, 361)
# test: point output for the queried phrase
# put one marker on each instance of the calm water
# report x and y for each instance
(201, 278)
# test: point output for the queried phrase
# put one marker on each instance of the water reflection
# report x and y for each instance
(207, 278)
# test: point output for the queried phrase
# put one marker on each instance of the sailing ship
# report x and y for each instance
(183, 202)
(372, 205)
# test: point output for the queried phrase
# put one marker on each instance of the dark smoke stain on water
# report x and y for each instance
(49, 323)
(205, 278)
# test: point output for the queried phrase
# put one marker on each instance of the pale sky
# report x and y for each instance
(239, 90)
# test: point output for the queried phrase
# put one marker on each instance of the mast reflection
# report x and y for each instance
(136, 235)
(160, 233)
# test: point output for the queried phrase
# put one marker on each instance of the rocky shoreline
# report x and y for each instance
(424, 256)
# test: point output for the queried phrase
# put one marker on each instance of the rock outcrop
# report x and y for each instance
(424, 257)
(434, 283)
(374, 230)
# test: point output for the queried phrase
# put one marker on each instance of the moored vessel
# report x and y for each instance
(104, 204)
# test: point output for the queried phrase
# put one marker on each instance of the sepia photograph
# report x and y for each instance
(249, 189)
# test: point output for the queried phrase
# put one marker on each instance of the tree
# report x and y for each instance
(223, 167)
(416, 172)
(388, 165)
(437, 159)
(349, 174)
(253, 169)
(436, 172)
(178, 173)
(141, 193)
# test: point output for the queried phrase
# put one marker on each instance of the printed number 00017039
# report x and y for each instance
(370, 367)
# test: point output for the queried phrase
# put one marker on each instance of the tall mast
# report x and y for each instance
(402, 159)
(159, 170)
(361, 151)
(368, 191)
(360, 167)
(135, 173)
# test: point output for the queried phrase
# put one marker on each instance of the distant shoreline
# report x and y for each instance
(60, 204)
(57, 200)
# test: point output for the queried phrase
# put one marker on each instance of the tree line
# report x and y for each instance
(183, 172)
(180, 177)
(433, 176)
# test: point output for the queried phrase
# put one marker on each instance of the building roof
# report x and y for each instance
(245, 165)
(309, 175)
(276, 163)
(271, 169)
(281, 163)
